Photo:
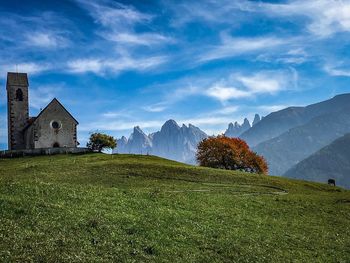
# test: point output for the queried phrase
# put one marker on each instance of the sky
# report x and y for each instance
(115, 65)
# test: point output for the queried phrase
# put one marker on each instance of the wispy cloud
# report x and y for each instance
(325, 17)
(30, 31)
(113, 14)
(158, 107)
(337, 71)
(28, 67)
(118, 23)
(144, 39)
(230, 46)
(46, 40)
(247, 86)
(40, 96)
(119, 64)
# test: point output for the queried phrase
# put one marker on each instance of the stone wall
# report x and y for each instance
(45, 135)
(17, 113)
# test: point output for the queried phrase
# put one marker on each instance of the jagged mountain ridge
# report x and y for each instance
(172, 142)
(332, 161)
(276, 123)
(236, 129)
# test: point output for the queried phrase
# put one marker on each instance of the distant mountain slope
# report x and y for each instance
(172, 142)
(138, 142)
(298, 143)
(332, 161)
(281, 121)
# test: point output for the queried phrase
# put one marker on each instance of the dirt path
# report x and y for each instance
(231, 189)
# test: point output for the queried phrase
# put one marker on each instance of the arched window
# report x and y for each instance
(19, 95)
(56, 145)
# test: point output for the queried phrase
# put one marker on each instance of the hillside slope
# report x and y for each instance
(332, 161)
(286, 150)
(127, 208)
(278, 122)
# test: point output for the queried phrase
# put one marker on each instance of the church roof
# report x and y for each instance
(56, 100)
(47, 107)
(17, 79)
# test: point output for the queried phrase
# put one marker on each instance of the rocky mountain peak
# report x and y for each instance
(170, 125)
(256, 119)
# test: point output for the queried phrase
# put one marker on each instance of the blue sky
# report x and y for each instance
(116, 65)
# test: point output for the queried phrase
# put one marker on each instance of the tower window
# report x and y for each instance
(19, 95)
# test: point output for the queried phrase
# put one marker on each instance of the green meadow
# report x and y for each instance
(131, 208)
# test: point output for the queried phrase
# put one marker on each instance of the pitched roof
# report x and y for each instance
(17, 79)
(48, 105)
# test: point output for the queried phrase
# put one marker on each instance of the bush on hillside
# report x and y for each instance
(100, 141)
(231, 154)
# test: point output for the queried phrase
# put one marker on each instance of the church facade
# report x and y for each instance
(54, 127)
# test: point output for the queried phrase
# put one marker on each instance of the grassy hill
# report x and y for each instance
(127, 208)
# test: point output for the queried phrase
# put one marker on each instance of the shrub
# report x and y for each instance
(231, 154)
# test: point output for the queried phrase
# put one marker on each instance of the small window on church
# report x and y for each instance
(55, 125)
(19, 95)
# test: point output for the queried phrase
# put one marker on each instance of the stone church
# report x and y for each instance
(54, 127)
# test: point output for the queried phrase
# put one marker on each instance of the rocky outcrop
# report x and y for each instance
(235, 130)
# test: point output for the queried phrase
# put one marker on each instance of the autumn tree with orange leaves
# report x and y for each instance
(231, 154)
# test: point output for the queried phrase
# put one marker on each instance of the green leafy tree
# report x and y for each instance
(101, 141)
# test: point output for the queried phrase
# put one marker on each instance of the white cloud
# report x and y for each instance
(226, 110)
(223, 93)
(113, 14)
(323, 17)
(158, 107)
(145, 39)
(247, 86)
(262, 83)
(326, 17)
(231, 47)
(100, 66)
(336, 71)
(27, 67)
(293, 56)
(117, 114)
(45, 39)
(85, 65)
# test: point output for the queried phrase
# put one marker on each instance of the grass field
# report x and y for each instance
(128, 208)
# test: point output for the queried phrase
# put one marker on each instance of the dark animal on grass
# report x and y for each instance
(331, 182)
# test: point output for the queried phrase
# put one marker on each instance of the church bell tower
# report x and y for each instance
(17, 109)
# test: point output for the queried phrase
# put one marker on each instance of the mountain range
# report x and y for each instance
(285, 138)
(276, 123)
(172, 142)
(332, 161)
(236, 129)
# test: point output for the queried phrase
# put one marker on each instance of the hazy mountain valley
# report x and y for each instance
(284, 138)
